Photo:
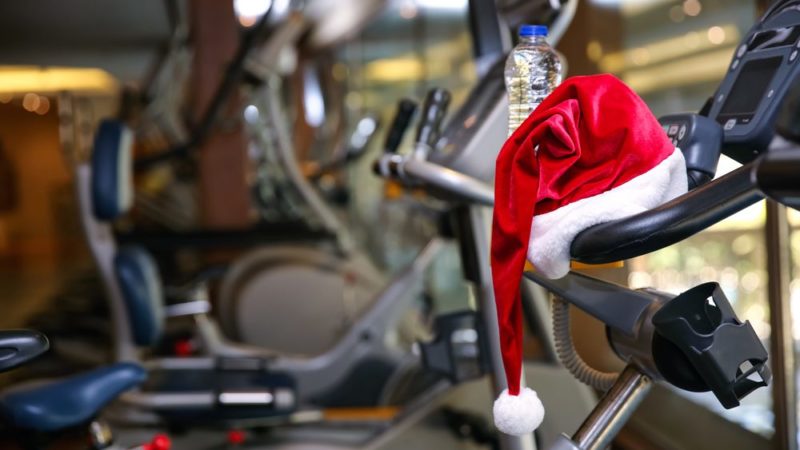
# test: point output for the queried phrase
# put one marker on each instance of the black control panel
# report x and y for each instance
(764, 66)
(699, 139)
(676, 128)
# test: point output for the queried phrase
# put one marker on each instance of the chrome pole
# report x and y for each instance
(613, 411)
(486, 305)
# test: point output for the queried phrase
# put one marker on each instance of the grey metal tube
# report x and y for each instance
(486, 305)
(450, 180)
(411, 415)
(454, 183)
(169, 400)
(614, 409)
(560, 25)
(289, 164)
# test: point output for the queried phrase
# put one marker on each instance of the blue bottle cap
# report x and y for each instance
(532, 30)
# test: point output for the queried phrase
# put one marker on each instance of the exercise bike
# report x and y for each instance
(36, 414)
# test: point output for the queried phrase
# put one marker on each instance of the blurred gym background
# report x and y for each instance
(61, 59)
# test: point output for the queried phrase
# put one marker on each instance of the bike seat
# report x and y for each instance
(70, 402)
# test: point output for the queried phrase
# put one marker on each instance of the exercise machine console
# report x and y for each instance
(763, 68)
(753, 143)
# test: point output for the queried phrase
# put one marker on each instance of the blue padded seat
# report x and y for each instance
(112, 167)
(70, 402)
(137, 274)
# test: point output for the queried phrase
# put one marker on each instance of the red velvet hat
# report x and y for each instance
(592, 152)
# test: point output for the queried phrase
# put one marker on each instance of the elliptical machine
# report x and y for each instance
(134, 290)
(693, 341)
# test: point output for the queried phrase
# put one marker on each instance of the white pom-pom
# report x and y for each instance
(518, 415)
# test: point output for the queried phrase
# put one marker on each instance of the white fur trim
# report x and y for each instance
(518, 415)
(552, 233)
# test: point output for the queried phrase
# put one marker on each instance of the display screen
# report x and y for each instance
(750, 86)
(774, 38)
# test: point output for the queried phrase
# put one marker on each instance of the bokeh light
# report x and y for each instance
(249, 11)
(44, 106)
(716, 35)
(692, 8)
(31, 102)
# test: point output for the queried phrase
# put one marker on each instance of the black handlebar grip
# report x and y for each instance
(436, 103)
(402, 118)
(788, 121)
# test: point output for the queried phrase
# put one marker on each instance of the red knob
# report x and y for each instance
(236, 437)
(159, 442)
(183, 348)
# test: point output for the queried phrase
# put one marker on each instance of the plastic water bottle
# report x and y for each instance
(533, 70)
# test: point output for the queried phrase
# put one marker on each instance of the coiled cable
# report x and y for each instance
(565, 349)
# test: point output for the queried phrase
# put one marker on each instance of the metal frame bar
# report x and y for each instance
(315, 375)
(784, 386)
(103, 246)
(614, 409)
(484, 294)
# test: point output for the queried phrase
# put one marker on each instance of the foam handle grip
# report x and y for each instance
(433, 111)
(402, 118)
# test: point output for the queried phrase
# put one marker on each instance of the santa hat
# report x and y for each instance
(592, 152)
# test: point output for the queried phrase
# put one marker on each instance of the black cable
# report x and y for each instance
(171, 10)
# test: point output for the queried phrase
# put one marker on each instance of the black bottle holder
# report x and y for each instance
(700, 345)
(458, 352)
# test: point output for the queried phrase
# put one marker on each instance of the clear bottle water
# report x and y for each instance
(533, 70)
